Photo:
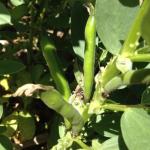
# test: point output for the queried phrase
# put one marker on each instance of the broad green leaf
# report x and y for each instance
(18, 12)
(114, 143)
(146, 96)
(107, 124)
(78, 73)
(2, 128)
(61, 21)
(54, 128)
(145, 31)
(17, 2)
(78, 21)
(10, 67)
(5, 143)
(114, 18)
(22, 77)
(5, 84)
(96, 145)
(5, 17)
(111, 144)
(71, 2)
(26, 126)
(36, 72)
(135, 124)
(62, 131)
(11, 124)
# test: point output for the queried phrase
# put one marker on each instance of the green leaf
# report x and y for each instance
(2, 129)
(135, 125)
(145, 24)
(79, 17)
(54, 128)
(114, 143)
(114, 18)
(5, 143)
(17, 2)
(5, 17)
(10, 67)
(18, 12)
(78, 73)
(1, 110)
(62, 131)
(111, 144)
(36, 72)
(107, 124)
(11, 124)
(146, 96)
(61, 21)
(96, 145)
(26, 126)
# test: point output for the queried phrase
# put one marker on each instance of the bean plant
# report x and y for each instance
(75, 74)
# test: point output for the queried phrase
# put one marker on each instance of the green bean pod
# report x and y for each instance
(54, 100)
(141, 76)
(49, 53)
(132, 77)
(89, 56)
(113, 84)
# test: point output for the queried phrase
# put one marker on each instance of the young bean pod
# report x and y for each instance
(54, 100)
(89, 56)
(141, 76)
(49, 53)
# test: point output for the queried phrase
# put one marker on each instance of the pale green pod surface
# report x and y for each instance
(26, 125)
(89, 56)
(49, 53)
(54, 100)
(113, 84)
(141, 76)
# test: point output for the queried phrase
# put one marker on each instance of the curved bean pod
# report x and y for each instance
(49, 53)
(54, 100)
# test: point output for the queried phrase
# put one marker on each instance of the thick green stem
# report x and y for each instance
(102, 78)
(140, 58)
(118, 107)
(83, 145)
(132, 39)
(96, 107)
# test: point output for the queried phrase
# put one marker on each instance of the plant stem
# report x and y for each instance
(118, 107)
(83, 145)
(140, 58)
(131, 42)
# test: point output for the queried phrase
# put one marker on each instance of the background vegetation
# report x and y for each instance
(65, 98)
